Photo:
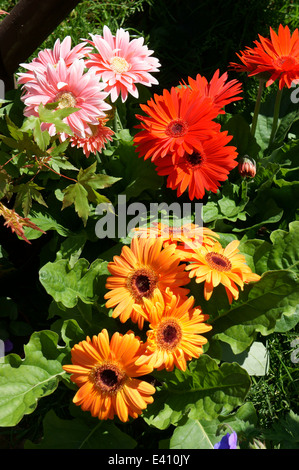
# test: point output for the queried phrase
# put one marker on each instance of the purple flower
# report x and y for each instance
(8, 345)
(229, 441)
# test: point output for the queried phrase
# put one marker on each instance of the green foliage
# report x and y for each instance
(244, 381)
(24, 382)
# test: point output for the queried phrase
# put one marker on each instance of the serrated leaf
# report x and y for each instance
(67, 285)
(24, 383)
(285, 432)
(76, 194)
(85, 190)
(203, 391)
(27, 192)
(45, 221)
(56, 117)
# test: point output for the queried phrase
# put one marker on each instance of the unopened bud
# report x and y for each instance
(247, 167)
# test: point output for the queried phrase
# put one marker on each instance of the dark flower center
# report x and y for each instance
(169, 334)
(108, 378)
(142, 283)
(194, 159)
(218, 261)
(176, 128)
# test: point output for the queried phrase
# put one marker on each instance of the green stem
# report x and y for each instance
(276, 115)
(257, 106)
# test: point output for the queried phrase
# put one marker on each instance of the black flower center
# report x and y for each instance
(169, 334)
(142, 283)
(108, 378)
(194, 159)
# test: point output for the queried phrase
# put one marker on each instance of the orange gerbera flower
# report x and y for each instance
(277, 57)
(201, 170)
(106, 375)
(175, 334)
(216, 265)
(220, 92)
(138, 272)
(181, 235)
(175, 123)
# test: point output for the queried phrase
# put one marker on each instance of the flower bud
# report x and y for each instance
(247, 167)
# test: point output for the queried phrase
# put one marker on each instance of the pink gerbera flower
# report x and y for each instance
(122, 63)
(100, 135)
(70, 87)
(51, 56)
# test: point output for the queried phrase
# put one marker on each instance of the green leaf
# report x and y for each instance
(282, 252)
(246, 144)
(45, 221)
(138, 175)
(76, 194)
(255, 361)
(79, 434)
(204, 434)
(285, 432)
(28, 380)
(203, 391)
(258, 309)
(27, 192)
(85, 190)
(68, 284)
(56, 117)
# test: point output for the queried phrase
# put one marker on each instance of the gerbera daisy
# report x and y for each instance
(175, 123)
(175, 332)
(95, 142)
(69, 87)
(220, 92)
(51, 56)
(216, 265)
(122, 63)
(278, 57)
(182, 236)
(138, 272)
(105, 374)
(177, 234)
(201, 170)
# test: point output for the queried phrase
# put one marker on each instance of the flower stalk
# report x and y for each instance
(275, 115)
(257, 106)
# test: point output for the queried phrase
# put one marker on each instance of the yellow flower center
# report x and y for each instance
(65, 99)
(142, 283)
(108, 378)
(168, 334)
(176, 128)
(218, 261)
(119, 65)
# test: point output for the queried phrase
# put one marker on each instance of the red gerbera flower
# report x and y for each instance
(203, 169)
(278, 57)
(218, 89)
(175, 123)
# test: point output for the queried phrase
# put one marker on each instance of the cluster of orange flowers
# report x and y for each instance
(148, 286)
